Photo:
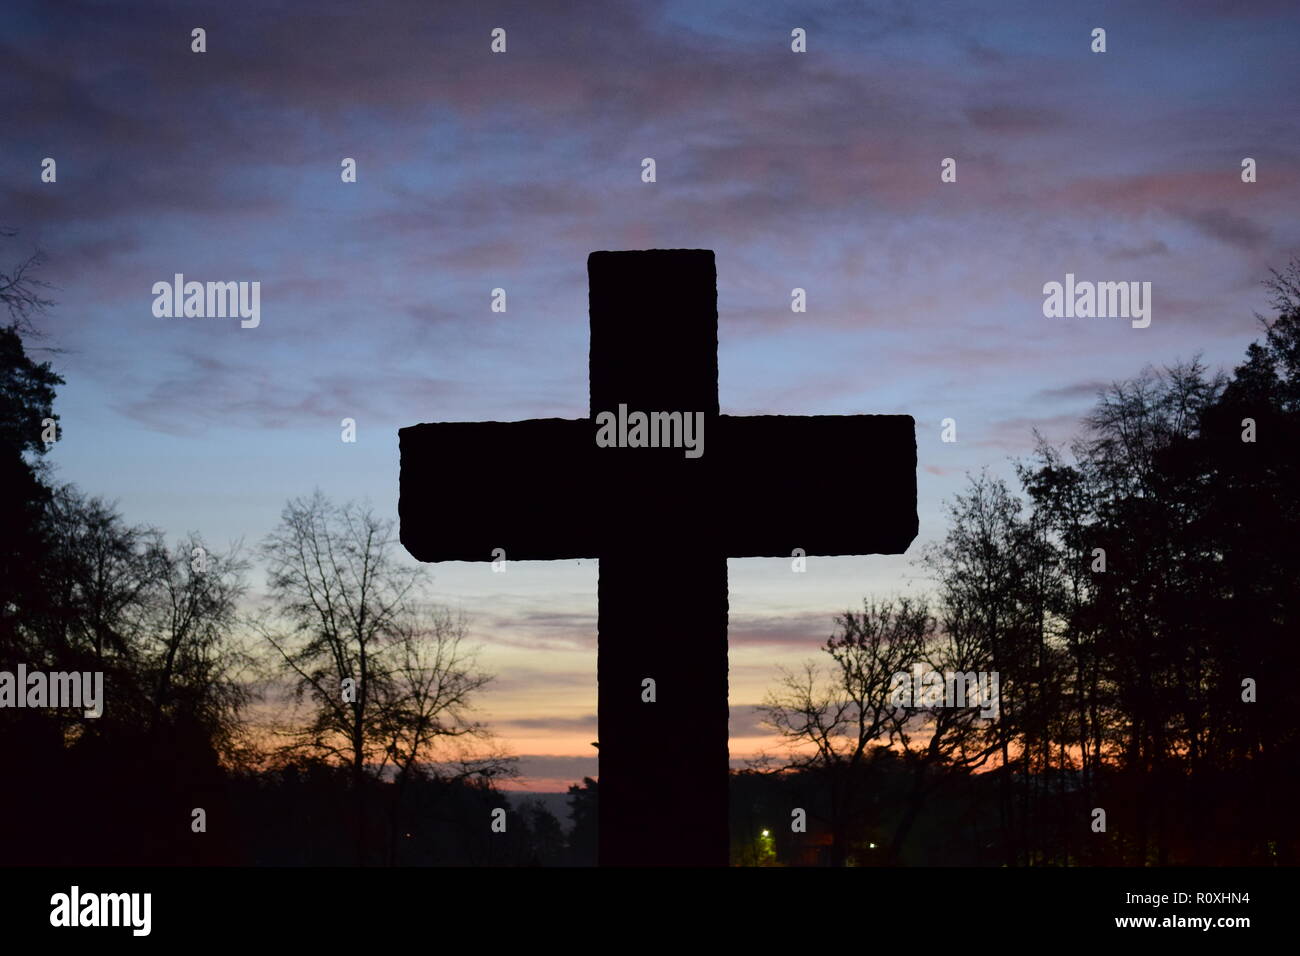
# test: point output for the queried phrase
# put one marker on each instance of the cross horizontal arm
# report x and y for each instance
(467, 488)
(764, 486)
(828, 484)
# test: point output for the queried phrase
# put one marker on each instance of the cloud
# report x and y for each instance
(518, 623)
(1013, 118)
(794, 630)
(517, 679)
(1227, 227)
(746, 720)
(942, 471)
(1152, 247)
(477, 171)
(1016, 435)
(557, 768)
(584, 722)
(1087, 389)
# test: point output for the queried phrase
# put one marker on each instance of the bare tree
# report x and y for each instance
(340, 599)
(431, 678)
(425, 715)
(387, 678)
(936, 742)
(984, 567)
(160, 623)
(22, 293)
(195, 666)
(837, 725)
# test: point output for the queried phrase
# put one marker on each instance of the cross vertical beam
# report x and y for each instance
(663, 526)
(663, 599)
(663, 765)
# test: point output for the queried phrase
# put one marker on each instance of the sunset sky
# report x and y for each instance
(479, 170)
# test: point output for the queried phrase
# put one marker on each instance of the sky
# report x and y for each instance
(479, 170)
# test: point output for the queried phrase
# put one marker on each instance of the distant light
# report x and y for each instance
(871, 845)
(768, 833)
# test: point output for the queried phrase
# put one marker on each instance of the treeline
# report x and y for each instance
(329, 722)
(1138, 597)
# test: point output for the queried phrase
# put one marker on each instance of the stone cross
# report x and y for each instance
(662, 501)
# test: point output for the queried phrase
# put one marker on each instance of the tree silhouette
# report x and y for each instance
(838, 725)
(1138, 598)
(385, 676)
(27, 393)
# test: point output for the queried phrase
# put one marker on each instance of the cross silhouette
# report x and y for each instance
(662, 525)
